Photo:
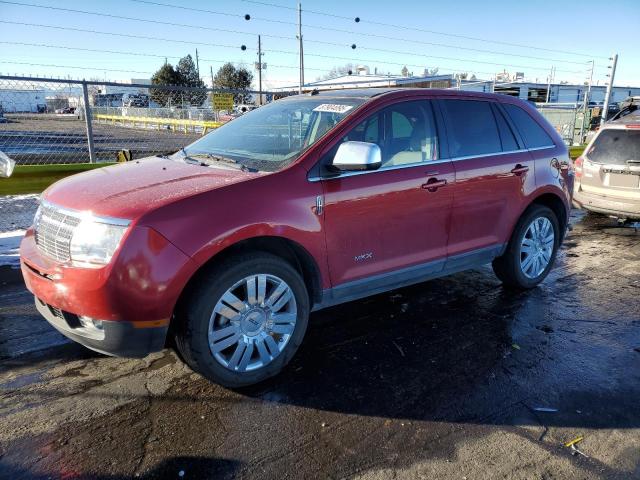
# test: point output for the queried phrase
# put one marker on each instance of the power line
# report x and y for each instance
(160, 22)
(469, 60)
(434, 32)
(69, 66)
(135, 19)
(289, 52)
(139, 54)
(118, 34)
(86, 12)
(352, 32)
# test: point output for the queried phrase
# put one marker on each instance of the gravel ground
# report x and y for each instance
(41, 139)
(444, 380)
(17, 211)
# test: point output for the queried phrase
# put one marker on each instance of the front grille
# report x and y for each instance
(53, 232)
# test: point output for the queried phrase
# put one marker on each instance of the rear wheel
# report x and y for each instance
(244, 321)
(531, 250)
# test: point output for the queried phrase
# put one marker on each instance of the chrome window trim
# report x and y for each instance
(384, 169)
(541, 148)
(428, 163)
(484, 155)
(82, 214)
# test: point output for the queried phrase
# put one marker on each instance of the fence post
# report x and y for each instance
(87, 119)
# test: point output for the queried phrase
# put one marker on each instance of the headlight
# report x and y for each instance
(36, 217)
(95, 240)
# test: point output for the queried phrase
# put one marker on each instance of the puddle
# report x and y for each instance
(22, 381)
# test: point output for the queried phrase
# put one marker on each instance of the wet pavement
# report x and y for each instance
(444, 379)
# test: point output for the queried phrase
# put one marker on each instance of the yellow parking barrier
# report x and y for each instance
(173, 123)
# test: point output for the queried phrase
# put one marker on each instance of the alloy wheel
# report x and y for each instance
(252, 322)
(536, 247)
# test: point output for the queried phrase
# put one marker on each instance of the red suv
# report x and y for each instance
(310, 201)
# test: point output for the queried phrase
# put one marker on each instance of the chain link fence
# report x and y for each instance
(53, 121)
(49, 121)
(568, 120)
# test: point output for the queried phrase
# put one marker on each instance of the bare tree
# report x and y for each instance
(339, 71)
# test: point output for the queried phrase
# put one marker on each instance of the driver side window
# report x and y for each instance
(405, 132)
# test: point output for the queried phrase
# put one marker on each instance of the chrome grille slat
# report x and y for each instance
(53, 232)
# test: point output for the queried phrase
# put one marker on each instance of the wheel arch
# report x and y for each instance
(290, 251)
(557, 205)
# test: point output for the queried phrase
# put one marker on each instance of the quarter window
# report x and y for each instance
(472, 128)
(533, 134)
(509, 142)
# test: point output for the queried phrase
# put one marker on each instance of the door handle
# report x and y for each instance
(519, 169)
(433, 184)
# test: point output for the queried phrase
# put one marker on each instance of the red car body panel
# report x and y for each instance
(131, 189)
(142, 284)
(381, 217)
(184, 215)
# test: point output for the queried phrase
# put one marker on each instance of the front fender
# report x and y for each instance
(277, 205)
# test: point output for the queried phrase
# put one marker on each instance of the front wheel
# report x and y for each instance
(244, 320)
(531, 250)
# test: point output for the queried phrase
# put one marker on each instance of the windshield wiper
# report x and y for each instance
(206, 159)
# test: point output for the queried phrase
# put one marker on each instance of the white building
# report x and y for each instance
(363, 79)
(14, 100)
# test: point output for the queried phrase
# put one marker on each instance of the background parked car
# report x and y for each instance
(608, 173)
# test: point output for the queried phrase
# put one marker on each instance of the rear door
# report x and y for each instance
(611, 165)
(491, 169)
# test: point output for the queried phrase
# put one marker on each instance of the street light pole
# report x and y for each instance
(550, 79)
(300, 47)
(585, 104)
(259, 71)
(607, 98)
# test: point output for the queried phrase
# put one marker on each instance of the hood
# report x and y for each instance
(134, 188)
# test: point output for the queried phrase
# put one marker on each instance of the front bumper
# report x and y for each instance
(607, 205)
(122, 339)
(134, 296)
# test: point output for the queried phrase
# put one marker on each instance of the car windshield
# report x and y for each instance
(273, 136)
(616, 146)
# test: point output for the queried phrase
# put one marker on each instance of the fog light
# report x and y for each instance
(86, 322)
(90, 328)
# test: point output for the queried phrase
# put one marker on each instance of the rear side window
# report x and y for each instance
(532, 133)
(472, 128)
(509, 142)
(616, 146)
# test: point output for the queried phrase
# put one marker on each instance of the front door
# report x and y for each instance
(379, 222)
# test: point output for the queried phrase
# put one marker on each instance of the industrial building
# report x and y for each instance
(531, 91)
(14, 100)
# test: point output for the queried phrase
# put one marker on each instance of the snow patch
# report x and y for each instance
(9, 247)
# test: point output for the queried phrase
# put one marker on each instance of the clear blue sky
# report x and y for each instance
(566, 26)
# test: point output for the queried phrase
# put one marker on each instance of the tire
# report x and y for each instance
(512, 267)
(201, 333)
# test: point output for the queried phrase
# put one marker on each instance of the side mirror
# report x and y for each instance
(357, 156)
(6, 165)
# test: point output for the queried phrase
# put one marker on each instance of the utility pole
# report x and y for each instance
(607, 98)
(211, 66)
(197, 64)
(585, 103)
(300, 47)
(549, 79)
(259, 71)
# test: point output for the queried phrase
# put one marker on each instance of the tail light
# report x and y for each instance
(577, 166)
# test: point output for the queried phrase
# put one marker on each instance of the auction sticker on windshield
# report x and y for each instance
(333, 108)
